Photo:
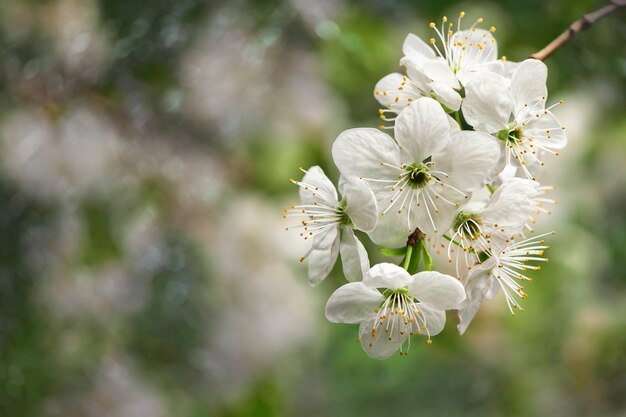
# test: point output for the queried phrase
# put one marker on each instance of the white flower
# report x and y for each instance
(505, 215)
(329, 223)
(517, 115)
(421, 180)
(504, 268)
(539, 203)
(440, 72)
(409, 304)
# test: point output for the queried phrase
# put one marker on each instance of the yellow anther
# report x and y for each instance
(429, 341)
(480, 20)
(492, 29)
(432, 25)
(462, 14)
(444, 19)
(561, 101)
(432, 41)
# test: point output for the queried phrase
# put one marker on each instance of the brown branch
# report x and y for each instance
(414, 237)
(578, 26)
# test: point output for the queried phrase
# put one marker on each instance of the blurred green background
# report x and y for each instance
(145, 152)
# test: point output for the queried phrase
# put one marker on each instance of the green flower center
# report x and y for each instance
(513, 135)
(417, 175)
(341, 210)
(404, 291)
(469, 222)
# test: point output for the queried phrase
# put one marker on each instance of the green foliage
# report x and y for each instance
(27, 374)
(177, 317)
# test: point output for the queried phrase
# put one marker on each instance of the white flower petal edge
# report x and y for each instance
(386, 275)
(469, 160)
(323, 255)
(353, 256)
(478, 283)
(376, 345)
(360, 203)
(510, 207)
(435, 319)
(487, 106)
(446, 95)
(422, 129)
(415, 48)
(316, 186)
(394, 92)
(528, 86)
(359, 152)
(437, 290)
(353, 303)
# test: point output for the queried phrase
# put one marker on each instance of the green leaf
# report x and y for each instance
(393, 251)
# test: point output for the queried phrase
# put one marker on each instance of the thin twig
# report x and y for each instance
(578, 26)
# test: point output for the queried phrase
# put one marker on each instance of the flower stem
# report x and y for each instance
(407, 257)
(457, 243)
(452, 240)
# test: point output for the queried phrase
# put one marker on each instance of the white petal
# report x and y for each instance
(510, 206)
(324, 255)
(359, 152)
(353, 303)
(435, 319)
(392, 92)
(468, 160)
(416, 74)
(476, 288)
(446, 95)
(386, 275)
(360, 203)
(316, 178)
(436, 290)
(379, 347)
(422, 129)
(439, 71)
(528, 85)
(353, 256)
(503, 68)
(416, 49)
(546, 131)
(391, 229)
(487, 106)
(435, 216)
(473, 56)
(454, 126)
(480, 73)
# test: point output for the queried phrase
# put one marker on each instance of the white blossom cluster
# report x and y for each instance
(458, 176)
